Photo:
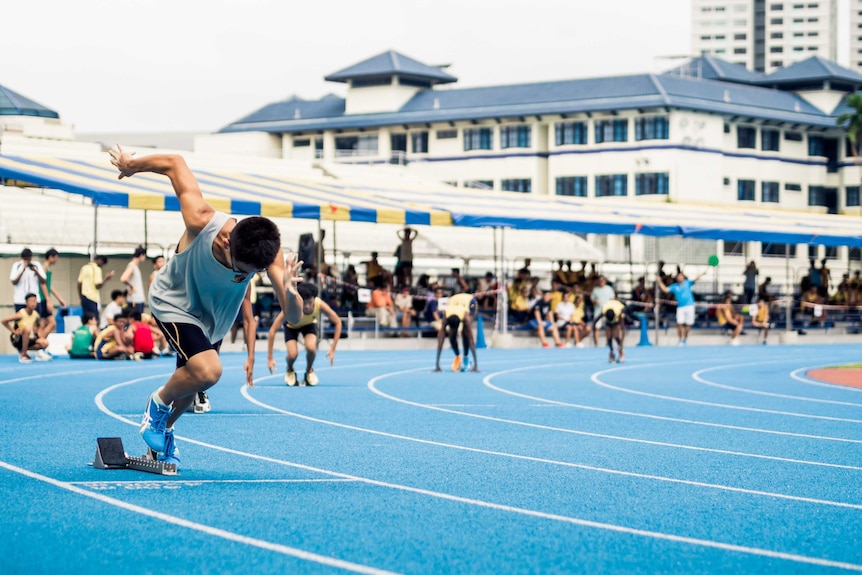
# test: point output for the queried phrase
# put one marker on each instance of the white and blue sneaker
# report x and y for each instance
(153, 424)
(172, 452)
(465, 365)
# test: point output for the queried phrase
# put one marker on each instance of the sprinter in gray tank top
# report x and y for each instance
(196, 297)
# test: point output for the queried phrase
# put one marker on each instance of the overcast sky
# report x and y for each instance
(179, 65)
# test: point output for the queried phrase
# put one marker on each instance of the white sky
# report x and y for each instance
(188, 65)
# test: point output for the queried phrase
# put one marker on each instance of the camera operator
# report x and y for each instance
(27, 277)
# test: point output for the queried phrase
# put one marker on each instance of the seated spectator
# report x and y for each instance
(642, 295)
(455, 282)
(580, 327)
(485, 291)
(761, 317)
(543, 319)
(432, 312)
(404, 308)
(728, 318)
(83, 338)
(564, 312)
(24, 325)
(764, 290)
(117, 306)
(811, 304)
(381, 305)
(519, 307)
(111, 342)
(142, 336)
(349, 294)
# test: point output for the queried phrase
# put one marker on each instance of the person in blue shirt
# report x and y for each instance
(681, 290)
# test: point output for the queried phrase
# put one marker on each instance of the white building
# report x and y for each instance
(855, 23)
(764, 35)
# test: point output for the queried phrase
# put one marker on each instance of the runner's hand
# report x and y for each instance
(248, 368)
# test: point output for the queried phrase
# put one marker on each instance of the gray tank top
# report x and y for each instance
(137, 283)
(194, 287)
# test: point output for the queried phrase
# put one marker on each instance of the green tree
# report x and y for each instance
(851, 122)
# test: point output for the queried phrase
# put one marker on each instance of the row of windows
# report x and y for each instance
(656, 183)
(817, 195)
(780, 21)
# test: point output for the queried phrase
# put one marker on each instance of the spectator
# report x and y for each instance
(729, 319)
(486, 291)
(46, 309)
(111, 343)
(761, 318)
(764, 290)
(381, 306)
(563, 314)
(27, 278)
(83, 338)
(825, 279)
(158, 264)
(432, 312)
(750, 284)
(681, 290)
(373, 270)
(142, 336)
(571, 276)
(131, 276)
(90, 281)
(454, 282)
(580, 327)
(404, 308)
(811, 304)
(543, 319)
(349, 295)
(560, 273)
(601, 294)
(24, 325)
(116, 306)
(519, 307)
(404, 267)
(642, 295)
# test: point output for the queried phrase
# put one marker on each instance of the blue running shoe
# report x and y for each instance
(153, 424)
(172, 452)
(465, 365)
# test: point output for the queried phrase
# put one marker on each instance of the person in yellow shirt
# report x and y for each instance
(90, 281)
(307, 328)
(761, 317)
(729, 319)
(111, 343)
(24, 325)
(461, 309)
(613, 312)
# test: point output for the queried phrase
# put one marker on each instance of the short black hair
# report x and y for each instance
(256, 241)
(139, 251)
(86, 317)
(135, 315)
(453, 321)
(28, 296)
(609, 315)
(117, 293)
(157, 258)
(26, 253)
(101, 257)
(51, 253)
(307, 290)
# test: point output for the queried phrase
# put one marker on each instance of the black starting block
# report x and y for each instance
(111, 455)
(201, 404)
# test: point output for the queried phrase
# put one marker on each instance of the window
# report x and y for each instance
(652, 128)
(739, 50)
(745, 190)
(776, 50)
(769, 192)
(367, 82)
(651, 184)
(734, 248)
(739, 36)
(830, 252)
(419, 142)
(614, 185)
(570, 133)
(303, 143)
(777, 63)
(522, 185)
(776, 6)
(776, 35)
(477, 139)
(854, 254)
(479, 184)
(793, 136)
(816, 196)
(572, 186)
(515, 136)
(851, 198)
(706, 37)
(612, 131)
(777, 21)
(447, 134)
(814, 34)
(726, 128)
(814, 20)
(778, 250)
(815, 146)
(357, 145)
(770, 140)
(793, 187)
(746, 137)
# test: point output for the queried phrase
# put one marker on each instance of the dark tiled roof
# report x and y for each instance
(388, 64)
(14, 104)
(812, 69)
(711, 67)
(296, 108)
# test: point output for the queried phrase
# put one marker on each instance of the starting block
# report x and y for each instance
(201, 404)
(111, 455)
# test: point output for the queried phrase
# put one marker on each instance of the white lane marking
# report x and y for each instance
(517, 510)
(595, 379)
(374, 389)
(247, 395)
(59, 374)
(795, 375)
(196, 482)
(697, 376)
(487, 382)
(206, 529)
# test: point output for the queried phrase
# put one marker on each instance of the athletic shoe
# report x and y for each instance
(546, 345)
(581, 345)
(24, 359)
(561, 345)
(153, 424)
(42, 355)
(290, 377)
(734, 341)
(456, 363)
(311, 378)
(172, 452)
(465, 364)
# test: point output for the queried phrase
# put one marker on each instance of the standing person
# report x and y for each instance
(131, 276)
(750, 285)
(27, 278)
(681, 290)
(46, 310)
(307, 326)
(24, 325)
(90, 281)
(404, 269)
(601, 294)
(194, 299)
(158, 264)
(459, 313)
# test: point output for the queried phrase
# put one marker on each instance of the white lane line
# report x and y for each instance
(792, 557)
(195, 482)
(206, 529)
(374, 389)
(585, 467)
(595, 379)
(697, 376)
(795, 375)
(60, 374)
(487, 382)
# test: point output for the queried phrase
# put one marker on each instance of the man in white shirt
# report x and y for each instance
(27, 276)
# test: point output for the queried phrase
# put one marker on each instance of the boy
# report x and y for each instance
(25, 331)
(459, 313)
(111, 341)
(84, 338)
